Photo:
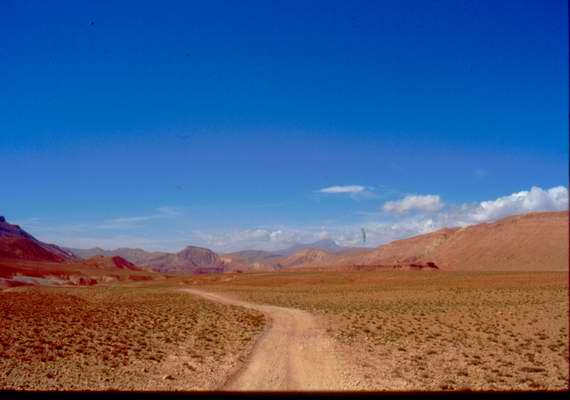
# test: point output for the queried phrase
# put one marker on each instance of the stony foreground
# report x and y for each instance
(432, 330)
(120, 338)
(366, 331)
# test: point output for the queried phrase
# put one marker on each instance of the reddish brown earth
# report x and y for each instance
(123, 337)
(530, 242)
(17, 244)
(23, 272)
(250, 260)
(25, 249)
(188, 260)
(120, 262)
(305, 256)
(407, 331)
(112, 262)
(24, 261)
(298, 255)
(136, 256)
(294, 353)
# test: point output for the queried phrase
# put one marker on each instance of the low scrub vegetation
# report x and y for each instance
(155, 338)
(434, 331)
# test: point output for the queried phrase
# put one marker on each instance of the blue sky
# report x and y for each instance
(218, 123)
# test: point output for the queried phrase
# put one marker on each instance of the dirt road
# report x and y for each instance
(294, 353)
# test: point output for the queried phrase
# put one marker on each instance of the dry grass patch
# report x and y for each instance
(137, 338)
(435, 331)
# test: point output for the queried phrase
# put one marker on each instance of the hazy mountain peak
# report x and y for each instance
(324, 244)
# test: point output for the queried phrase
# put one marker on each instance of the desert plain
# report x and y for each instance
(284, 196)
(299, 330)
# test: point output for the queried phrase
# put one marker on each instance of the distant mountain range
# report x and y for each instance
(136, 256)
(327, 245)
(112, 262)
(250, 260)
(298, 254)
(25, 260)
(192, 259)
(530, 242)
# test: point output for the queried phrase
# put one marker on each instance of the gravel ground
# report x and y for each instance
(121, 338)
(432, 331)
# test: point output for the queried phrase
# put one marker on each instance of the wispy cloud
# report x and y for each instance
(98, 233)
(256, 238)
(425, 203)
(351, 189)
(416, 215)
(480, 173)
(117, 241)
(262, 238)
(355, 192)
(131, 222)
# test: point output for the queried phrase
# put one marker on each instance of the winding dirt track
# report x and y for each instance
(294, 353)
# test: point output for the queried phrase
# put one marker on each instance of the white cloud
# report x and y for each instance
(382, 232)
(536, 199)
(343, 189)
(131, 222)
(406, 225)
(381, 227)
(384, 227)
(426, 203)
(355, 192)
(269, 239)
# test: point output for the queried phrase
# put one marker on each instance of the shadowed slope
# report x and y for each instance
(17, 244)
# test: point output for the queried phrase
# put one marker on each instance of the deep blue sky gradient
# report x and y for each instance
(239, 111)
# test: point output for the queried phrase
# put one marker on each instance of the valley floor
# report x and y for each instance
(355, 330)
(294, 353)
(430, 331)
(121, 337)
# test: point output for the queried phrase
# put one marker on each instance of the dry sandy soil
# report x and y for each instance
(294, 353)
(292, 331)
(123, 337)
(428, 331)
